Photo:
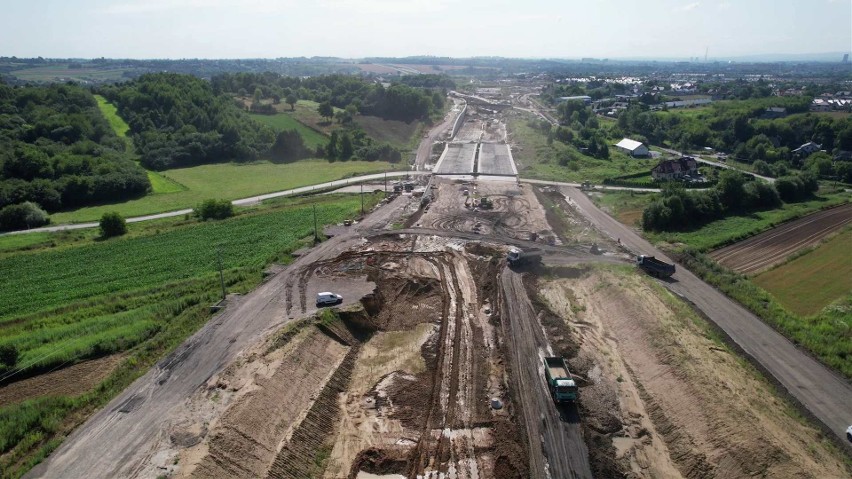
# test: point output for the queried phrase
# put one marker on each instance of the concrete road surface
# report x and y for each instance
(820, 391)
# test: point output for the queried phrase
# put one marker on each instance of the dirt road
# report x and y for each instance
(115, 442)
(555, 433)
(820, 391)
(772, 247)
(424, 151)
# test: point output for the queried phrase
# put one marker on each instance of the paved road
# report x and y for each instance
(821, 391)
(117, 440)
(240, 202)
(719, 164)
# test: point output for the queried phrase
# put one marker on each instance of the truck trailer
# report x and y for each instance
(655, 267)
(562, 386)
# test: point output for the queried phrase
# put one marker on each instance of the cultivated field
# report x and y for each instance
(228, 181)
(143, 295)
(61, 73)
(814, 280)
(758, 253)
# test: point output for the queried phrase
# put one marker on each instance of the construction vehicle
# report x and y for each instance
(485, 203)
(655, 267)
(562, 386)
(517, 255)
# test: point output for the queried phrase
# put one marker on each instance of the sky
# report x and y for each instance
(457, 28)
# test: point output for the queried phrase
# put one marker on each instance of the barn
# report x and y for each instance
(633, 148)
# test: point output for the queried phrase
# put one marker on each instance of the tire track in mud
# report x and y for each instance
(447, 446)
(557, 448)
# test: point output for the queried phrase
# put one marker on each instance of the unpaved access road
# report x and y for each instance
(557, 433)
(116, 440)
(761, 252)
(819, 390)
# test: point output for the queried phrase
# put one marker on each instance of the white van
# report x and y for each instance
(326, 298)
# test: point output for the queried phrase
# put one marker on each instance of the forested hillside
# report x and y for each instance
(177, 120)
(396, 102)
(58, 151)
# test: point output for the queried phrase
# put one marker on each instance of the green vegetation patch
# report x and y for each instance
(560, 162)
(812, 281)
(162, 185)
(110, 112)
(228, 181)
(285, 121)
(394, 132)
(737, 227)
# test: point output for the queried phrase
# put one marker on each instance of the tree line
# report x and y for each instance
(57, 151)
(398, 101)
(736, 193)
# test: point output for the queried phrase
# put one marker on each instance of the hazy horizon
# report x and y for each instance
(615, 29)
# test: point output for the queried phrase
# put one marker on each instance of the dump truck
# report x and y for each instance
(562, 386)
(517, 255)
(655, 267)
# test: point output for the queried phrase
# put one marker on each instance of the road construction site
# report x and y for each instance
(432, 365)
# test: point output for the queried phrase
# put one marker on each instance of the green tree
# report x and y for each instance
(346, 149)
(22, 216)
(112, 224)
(326, 110)
(731, 189)
(291, 100)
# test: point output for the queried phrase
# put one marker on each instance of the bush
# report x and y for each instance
(214, 210)
(22, 216)
(8, 355)
(112, 224)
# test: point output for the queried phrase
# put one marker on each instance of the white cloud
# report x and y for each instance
(688, 7)
(724, 5)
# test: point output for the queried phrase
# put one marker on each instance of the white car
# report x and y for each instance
(849, 433)
(326, 298)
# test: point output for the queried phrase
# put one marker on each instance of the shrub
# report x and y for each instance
(8, 355)
(112, 224)
(22, 216)
(215, 209)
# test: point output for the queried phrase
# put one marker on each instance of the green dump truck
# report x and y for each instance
(562, 386)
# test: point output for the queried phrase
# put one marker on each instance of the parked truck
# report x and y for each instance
(562, 386)
(517, 255)
(655, 267)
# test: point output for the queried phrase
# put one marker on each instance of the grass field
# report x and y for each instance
(285, 121)
(142, 294)
(814, 280)
(228, 181)
(110, 112)
(396, 133)
(539, 160)
(625, 206)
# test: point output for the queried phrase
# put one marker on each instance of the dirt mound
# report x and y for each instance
(510, 455)
(381, 461)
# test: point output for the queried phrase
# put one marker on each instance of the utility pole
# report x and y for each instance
(221, 275)
(386, 183)
(362, 199)
(316, 236)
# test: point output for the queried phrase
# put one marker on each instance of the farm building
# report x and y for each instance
(675, 169)
(633, 148)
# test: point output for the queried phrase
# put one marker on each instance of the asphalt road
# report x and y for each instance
(240, 202)
(117, 440)
(820, 391)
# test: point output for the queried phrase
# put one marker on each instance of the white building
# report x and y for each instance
(633, 148)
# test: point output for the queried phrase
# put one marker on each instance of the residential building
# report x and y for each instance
(633, 148)
(583, 98)
(675, 169)
(807, 149)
